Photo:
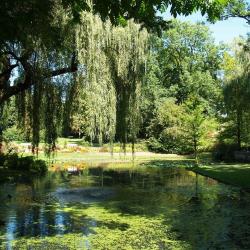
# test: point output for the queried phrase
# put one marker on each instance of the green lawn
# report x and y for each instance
(234, 174)
(139, 146)
(105, 157)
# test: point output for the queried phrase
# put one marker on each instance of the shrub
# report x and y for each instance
(27, 163)
(224, 152)
(40, 166)
(155, 146)
(13, 134)
(168, 146)
(11, 161)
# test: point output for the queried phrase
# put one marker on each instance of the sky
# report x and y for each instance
(223, 31)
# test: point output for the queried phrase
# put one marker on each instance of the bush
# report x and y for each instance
(10, 161)
(224, 152)
(40, 166)
(27, 163)
(13, 134)
(169, 146)
(155, 146)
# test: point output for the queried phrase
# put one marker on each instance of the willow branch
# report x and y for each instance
(28, 81)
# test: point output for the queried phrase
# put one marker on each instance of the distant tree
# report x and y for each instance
(39, 49)
(237, 92)
(186, 128)
(166, 129)
(187, 51)
(184, 63)
(198, 125)
(153, 91)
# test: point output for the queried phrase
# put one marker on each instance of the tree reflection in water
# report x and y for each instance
(191, 210)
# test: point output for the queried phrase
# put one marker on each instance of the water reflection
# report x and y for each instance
(10, 229)
(200, 211)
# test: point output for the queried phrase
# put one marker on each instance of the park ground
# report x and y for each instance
(75, 152)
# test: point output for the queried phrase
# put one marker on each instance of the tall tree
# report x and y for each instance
(32, 31)
(39, 49)
(187, 50)
(188, 63)
(237, 91)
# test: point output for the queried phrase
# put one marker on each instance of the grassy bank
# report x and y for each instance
(107, 157)
(76, 152)
(62, 161)
(233, 174)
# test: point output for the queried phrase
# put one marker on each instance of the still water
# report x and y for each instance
(143, 207)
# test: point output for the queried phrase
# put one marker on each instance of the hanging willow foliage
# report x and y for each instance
(98, 86)
(106, 89)
(114, 58)
(36, 119)
(128, 59)
(52, 115)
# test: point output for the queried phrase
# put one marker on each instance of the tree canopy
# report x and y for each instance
(237, 8)
(20, 19)
(183, 87)
(48, 49)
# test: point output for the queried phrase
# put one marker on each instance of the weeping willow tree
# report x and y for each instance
(39, 110)
(97, 84)
(113, 59)
(46, 40)
(128, 61)
(104, 93)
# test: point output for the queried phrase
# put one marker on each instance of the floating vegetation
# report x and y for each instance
(140, 207)
(110, 230)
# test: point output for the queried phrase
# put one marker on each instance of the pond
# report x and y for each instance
(141, 207)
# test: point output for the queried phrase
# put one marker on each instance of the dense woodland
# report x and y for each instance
(111, 76)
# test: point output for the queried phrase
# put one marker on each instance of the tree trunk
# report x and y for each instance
(238, 117)
(1, 140)
(1, 129)
(195, 147)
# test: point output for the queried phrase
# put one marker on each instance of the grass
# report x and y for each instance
(233, 174)
(139, 146)
(83, 160)
(78, 150)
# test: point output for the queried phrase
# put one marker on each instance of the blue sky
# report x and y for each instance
(224, 31)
